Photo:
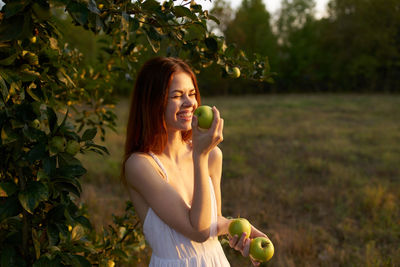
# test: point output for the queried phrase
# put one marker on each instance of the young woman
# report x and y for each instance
(173, 170)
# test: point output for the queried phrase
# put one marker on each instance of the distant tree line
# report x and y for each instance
(354, 48)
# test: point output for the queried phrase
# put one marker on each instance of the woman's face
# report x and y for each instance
(181, 102)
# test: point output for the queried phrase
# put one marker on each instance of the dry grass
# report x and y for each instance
(318, 173)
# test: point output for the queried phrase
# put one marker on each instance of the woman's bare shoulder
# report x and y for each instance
(137, 163)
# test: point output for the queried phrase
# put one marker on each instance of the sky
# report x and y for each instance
(271, 5)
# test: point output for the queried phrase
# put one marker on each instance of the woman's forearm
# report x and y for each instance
(223, 225)
(200, 212)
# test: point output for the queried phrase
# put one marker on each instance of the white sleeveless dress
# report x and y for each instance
(171, 248)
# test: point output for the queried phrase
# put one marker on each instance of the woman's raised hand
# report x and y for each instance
(205, 140)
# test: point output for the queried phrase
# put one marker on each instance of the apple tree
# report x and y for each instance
(52, 108)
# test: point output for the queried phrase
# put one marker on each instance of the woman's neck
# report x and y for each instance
(175, 147)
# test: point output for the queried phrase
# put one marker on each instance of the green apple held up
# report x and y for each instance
(239, 226)
(261, 249)
(205, 116)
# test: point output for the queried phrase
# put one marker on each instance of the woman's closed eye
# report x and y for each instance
(177, 96)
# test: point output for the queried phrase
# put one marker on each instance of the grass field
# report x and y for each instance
(320, 174)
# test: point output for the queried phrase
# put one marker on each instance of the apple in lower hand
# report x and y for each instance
(261, 249)
(205, 116)
(239, 226)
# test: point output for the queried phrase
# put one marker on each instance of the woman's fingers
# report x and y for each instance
(242, 244)
(220, 130)
(217, 118)
(194, 123)
(246, 248)
(255, 263)
(233, 240)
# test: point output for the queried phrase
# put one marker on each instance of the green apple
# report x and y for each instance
(205, 116)
(57, 144)
(35, 124)
(235, 73)
(239, 226)
(261, 249)
(72, 147)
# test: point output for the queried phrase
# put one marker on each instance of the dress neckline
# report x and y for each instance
(158, 161)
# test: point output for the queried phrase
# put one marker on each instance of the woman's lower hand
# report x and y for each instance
(242, 245)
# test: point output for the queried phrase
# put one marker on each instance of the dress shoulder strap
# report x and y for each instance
(159, 164)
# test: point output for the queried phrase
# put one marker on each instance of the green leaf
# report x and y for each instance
(101, 148)
(68, 187)
(12, 28)
(154, 38)
(181, 11)
(38, 152)
(34, 193)
(81, 261)
(7, 189)
(49, 165)
(93, 7)
(53, 235)
(89, 134)
(56, 214)
(67, 159)
(9, 207)
(134, 25)
(52, 118)
(36, 243)
(214, 19)
(46, 262)
(7, 257)
(71, 171)
(119, 253)
(77, 232)
(41, 9)
(78, 12)
(4, 88)
(211, 44)
(195, 31)
(14, 7)
(9, 60)
(151, 5)
(83, 221)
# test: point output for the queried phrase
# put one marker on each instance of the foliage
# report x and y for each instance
(52, 106)
(355, 47)
(248, 29)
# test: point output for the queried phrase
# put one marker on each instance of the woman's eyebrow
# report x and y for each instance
(181, 91)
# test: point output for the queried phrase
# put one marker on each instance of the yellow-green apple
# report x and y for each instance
(72, 147)
(239, 226)
(35, 124)
(205, 116)
(235, 72)
(57, 144)
(261, 249)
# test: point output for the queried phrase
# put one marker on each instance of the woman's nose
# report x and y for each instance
(189, 101)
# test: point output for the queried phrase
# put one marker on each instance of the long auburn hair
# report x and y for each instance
(146, 129)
